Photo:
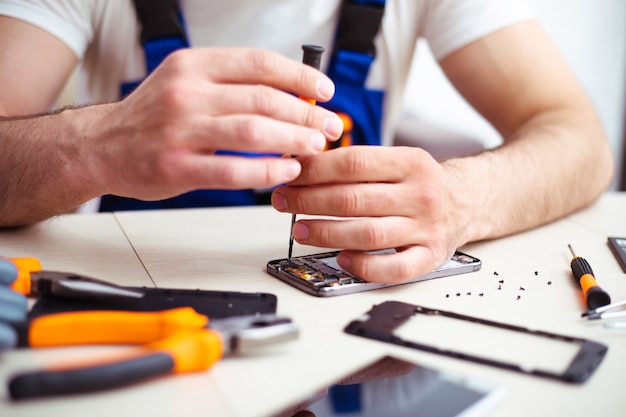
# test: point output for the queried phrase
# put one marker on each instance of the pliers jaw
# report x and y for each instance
(65, 284)
(246, 334)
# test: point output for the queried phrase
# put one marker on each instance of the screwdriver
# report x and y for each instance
(312, 56)
(594, 295)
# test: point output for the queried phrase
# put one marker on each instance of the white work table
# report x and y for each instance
(227, 249)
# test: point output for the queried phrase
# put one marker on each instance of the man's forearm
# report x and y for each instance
(556, 163)
(43, 167)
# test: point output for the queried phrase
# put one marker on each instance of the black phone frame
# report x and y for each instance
(380, 322)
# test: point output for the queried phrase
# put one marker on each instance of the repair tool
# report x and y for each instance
(176, 340)
(58, 292)
(594, 295)
(312, 56)
(33, 281)
(604, 311)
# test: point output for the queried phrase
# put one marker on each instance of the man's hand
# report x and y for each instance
(554, 160)
(161, 140)
(395, 197)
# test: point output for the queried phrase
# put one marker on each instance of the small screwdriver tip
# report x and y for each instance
(293, 222)
(571, 250)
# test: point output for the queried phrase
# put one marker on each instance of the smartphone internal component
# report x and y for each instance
(316, 272)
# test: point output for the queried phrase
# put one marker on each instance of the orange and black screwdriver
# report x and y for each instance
(312, 56)
(594, 295)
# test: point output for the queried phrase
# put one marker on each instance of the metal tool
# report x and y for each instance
(33, 281)
(312, 56)
(604, 313)
(171, 341)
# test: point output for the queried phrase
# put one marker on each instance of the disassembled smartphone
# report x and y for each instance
(533, 352)
(320, 275)
(394, 387)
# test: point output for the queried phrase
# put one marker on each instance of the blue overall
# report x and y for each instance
(349, 66)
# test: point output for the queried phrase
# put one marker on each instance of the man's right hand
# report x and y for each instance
(161, 140)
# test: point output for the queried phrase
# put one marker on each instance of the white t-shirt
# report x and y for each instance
(104, 34)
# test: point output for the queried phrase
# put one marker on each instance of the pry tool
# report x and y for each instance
(312, 56)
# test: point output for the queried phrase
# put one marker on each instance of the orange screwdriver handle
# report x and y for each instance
(25, 266)
(110, 327)
(183, 351)
(595, 296)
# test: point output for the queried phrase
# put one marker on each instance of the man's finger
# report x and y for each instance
(256, 66)
(358, 234)
(229, 99)
(255, 134)
(361, 164)
(235, 172)
(391, 268)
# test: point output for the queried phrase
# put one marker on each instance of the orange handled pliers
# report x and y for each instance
(176, 340)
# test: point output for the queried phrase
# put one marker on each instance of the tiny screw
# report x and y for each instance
(469, 293)
(495, 273)
(522, 289)
(458, 294)
(499, 287)
(519, 296)
(536, 272)
(501, 281)
(447, 295)
(549, 282)
(481, 294)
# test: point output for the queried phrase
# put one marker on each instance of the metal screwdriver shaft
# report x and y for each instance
(312, 56)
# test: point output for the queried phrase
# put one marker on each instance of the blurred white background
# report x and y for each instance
(592, 37)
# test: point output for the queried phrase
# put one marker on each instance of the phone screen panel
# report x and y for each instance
(503, 345)
(394, 387)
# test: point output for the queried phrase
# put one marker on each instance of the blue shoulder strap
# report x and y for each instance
(162, 32)
(353, 53)
(352, 57)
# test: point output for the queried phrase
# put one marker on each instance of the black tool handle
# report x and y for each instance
(581, 267)
(74, 381)
(312, 55)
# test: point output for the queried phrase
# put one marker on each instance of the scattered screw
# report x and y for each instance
(549, 282)
(481, 294)
(519, 296)
(495, 273)
(469, 293)
(536, 272)
(447, 295)
(458, 294)
(499, 287)
(501, 281)
(522, 289)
